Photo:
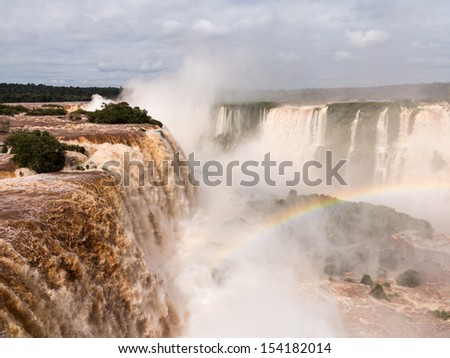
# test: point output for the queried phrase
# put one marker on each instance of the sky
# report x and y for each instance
(285, 44)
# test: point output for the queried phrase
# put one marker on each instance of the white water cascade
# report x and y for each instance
(381, 148)
(354, 128)
(301, 130)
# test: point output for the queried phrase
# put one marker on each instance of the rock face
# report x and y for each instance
(79, 255)
(75, 159)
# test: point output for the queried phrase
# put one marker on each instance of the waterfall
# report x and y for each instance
(237, 122)
(301, 130)
(353, 135)
(384, 143)
(381, 148)
(319, 123)
(399, 165)
(83, 257)
(229, 122)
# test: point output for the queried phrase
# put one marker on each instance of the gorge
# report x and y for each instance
(83, 257)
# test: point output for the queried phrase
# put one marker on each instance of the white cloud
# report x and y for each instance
(171, 27)
(367, 38)
(287, 44)
(342, 56)
(147, 66)
(206, 27)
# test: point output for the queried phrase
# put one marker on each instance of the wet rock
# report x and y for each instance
(74, 159)
(24, 172)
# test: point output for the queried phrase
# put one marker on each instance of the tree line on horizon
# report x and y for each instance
(14, 93)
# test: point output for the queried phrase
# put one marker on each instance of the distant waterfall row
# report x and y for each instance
(385, 143)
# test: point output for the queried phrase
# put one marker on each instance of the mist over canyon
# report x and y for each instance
(83, 257)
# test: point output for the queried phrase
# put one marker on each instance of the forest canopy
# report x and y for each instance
(13, 92)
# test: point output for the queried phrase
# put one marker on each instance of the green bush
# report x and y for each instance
(366, 280)
(409, 278)
(73, 148)
(38, 150)
(378, 292)
(444, 315)
(121, 113)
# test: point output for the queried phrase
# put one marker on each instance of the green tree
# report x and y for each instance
(121, 113)
(14, 92)
(38, 150)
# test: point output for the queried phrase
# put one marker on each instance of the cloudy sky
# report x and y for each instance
(260, 44)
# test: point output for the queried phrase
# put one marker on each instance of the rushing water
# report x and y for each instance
(81, 257)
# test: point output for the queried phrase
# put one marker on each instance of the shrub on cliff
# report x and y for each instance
(366, 280)
(378, 292)
(38, 150)
(444, 315)
(121, 113)
(409, 278)
(12, 110)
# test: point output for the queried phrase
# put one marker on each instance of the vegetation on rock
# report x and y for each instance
(366, 280)
(38, 150)
(409, 278)
(378, 292)
(121, 113)
(444, 315)
(12, 110)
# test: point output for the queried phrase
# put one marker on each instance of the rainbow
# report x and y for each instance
(284, 217)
